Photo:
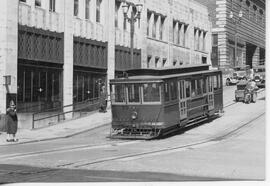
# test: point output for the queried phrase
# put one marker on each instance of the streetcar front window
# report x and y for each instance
(151, 92)
(133, 93)
(119, 93)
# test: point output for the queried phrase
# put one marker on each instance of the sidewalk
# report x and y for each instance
(60, 130)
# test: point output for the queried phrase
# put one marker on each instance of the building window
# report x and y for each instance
(23, 1)
(148, 61)
(117, 6)
(148, 22)
(261, 16)
(204, 41)
(156, 62)
(174, 62)
(161, 27)
(154, 28)
(87, 9)
(98, 10)
(175, 32)
(164, 62)
(185, 35)
(37, 2)
(255, 13)
(52, 5)
(76, 7)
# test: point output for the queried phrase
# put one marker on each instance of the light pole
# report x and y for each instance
(135, 15)
(236, 21)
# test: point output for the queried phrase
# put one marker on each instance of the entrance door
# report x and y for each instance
(182, 99)
(210, 92)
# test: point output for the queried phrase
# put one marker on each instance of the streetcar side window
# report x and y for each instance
(193, 88)
(204, 85)
(199, 86)
(166, 92)
(215, 82)
(173, 90)
(219, 81)
(119, 93)
(133, 93)
(187, 84)
(151, 92)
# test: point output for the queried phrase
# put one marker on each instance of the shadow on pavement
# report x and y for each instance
(20, 173)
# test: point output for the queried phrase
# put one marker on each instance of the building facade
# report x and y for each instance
(238, 32)
(59, 52)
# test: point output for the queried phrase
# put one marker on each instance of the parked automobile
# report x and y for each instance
(236, 77)
(259, 76)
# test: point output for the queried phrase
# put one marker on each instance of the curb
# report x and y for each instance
(54, 138)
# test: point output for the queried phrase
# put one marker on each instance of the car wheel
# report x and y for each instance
(236, 99)
(228, 82)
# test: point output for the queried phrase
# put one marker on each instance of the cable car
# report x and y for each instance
(148, 103)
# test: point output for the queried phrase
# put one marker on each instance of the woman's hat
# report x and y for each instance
(11, 103)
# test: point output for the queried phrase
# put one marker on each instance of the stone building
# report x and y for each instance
(238, 32)
(59, 52)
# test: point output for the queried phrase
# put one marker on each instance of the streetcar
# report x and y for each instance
(149, 103)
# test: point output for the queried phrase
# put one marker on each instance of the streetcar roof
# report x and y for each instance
(155, 78)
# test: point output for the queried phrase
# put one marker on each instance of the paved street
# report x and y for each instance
(230, 147)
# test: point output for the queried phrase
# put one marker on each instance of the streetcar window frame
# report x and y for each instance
(139, 92)
(113, 94)
(166, 92)
(143, 95)
(173, 93)
(188, 88)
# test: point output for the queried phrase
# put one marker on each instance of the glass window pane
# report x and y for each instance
(133, 93)
(215, 82)
(151, 92)
(166, 92)
(204, 85)
(28, 85)
(119, 93)
(173, 90)
(193, 94)
(187, 89)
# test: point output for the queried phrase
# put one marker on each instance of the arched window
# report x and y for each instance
(254, 13)
(247, 8)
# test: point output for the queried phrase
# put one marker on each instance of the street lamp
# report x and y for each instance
(236, 21)
(135, 15)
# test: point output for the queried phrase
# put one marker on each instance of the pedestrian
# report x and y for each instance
(11, 122)
(103, 99)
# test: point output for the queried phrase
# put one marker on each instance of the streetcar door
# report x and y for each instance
(210, 92)
(182, 99)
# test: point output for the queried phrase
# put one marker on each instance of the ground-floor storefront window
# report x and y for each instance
(39, 87)
(87, 85)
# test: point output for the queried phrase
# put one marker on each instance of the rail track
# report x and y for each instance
(80, 164)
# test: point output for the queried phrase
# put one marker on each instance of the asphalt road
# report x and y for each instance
(229, 148)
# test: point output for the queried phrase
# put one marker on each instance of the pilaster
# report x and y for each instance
(110, 8)
(8, 49)
(68, 54)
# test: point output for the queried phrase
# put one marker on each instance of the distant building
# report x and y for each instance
(247, 33)
(59, 52)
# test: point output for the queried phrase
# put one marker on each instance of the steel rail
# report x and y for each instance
(213, 139)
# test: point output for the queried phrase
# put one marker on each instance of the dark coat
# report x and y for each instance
(11, 121)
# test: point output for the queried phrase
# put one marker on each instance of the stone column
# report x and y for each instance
(223, 50)
(8, 49)
(68, 55)
(110, 32)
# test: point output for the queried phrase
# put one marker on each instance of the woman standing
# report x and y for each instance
(12, 122)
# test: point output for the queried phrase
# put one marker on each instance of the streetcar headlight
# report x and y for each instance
(134, 115)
